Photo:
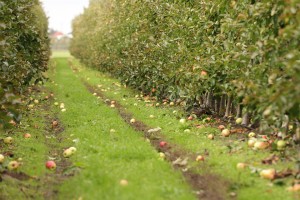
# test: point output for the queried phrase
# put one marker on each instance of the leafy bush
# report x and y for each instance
(24, 51)
(235, 58)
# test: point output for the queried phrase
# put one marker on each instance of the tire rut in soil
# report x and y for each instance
(206, 186)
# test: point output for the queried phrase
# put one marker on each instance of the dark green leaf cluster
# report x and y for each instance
(242, 57)
(24, 50)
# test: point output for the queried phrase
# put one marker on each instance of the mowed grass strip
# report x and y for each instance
(247, 185)
(106, 157)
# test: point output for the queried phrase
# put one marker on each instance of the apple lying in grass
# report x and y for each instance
(241, 165)
(238, 120)
(63, 110)
(268, 174)
(73, 149)
(200, 158)
(62, 106)
(13, 165)
(27, 135)
(251, 135)
(67, 153)
(36, 101)
(112, 130)
(123, 182)
(225, 132)
(182, 121)
(30, 106)
(50, 165)
(221, 127)
(56, 103)
(151, 116)
(281, 144)
(1, 158)
(172, 104)
(8, 140)
(187, 131)
(294, 188)
(190, 118)
(112, 105)
(54, 123)
(211, 136)
(251, 142)
(132, 121)
(163, 144)
(162, 155)
(261, 145)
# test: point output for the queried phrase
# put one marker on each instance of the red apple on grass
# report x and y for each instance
(27, 135)
(200, 158)
(163, 144)
(51, 165)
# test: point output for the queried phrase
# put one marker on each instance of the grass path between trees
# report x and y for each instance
(116, 159)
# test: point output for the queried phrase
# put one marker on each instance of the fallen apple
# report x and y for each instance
(251, 135)
(182, 121)
(30, 106)
(200, 158)
(221, 127)
(113, 102)
(225, 132)
(73, 149)
(172, 104)
(157, 104)
(151, 116)
(187, 131)
(95, 94)
(211, 136)
(251, 142)
(63, 110)
(294, 188)
(13, 165)
(67, 153)
(261, 145)
(132, 120)
(27, 135)
(112, 130)
(54, 123)
(123, 182)
(1, 158)
(238, 120)
(51, 165)
(56, 103)
(190, 118)
(203, 73)
(8, 140)
(112, 105)
(162, 155)
(268, 174)
(62, 105)
(163, 144)
(281, 144)
(241, 165)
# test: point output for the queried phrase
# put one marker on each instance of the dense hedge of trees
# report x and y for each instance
(24, 51)
(236, 58)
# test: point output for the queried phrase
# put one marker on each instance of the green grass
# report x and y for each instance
(248, 185)
(60, 54)
(106, 158)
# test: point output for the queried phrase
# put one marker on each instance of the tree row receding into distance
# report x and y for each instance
(24, 52)
(233, 58)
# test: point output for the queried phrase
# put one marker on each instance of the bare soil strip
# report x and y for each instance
(207, 186)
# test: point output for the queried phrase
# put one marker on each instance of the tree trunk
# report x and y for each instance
(228, 106)
(217, 104)
(222, 106)
(239, 110)
(246, 119)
